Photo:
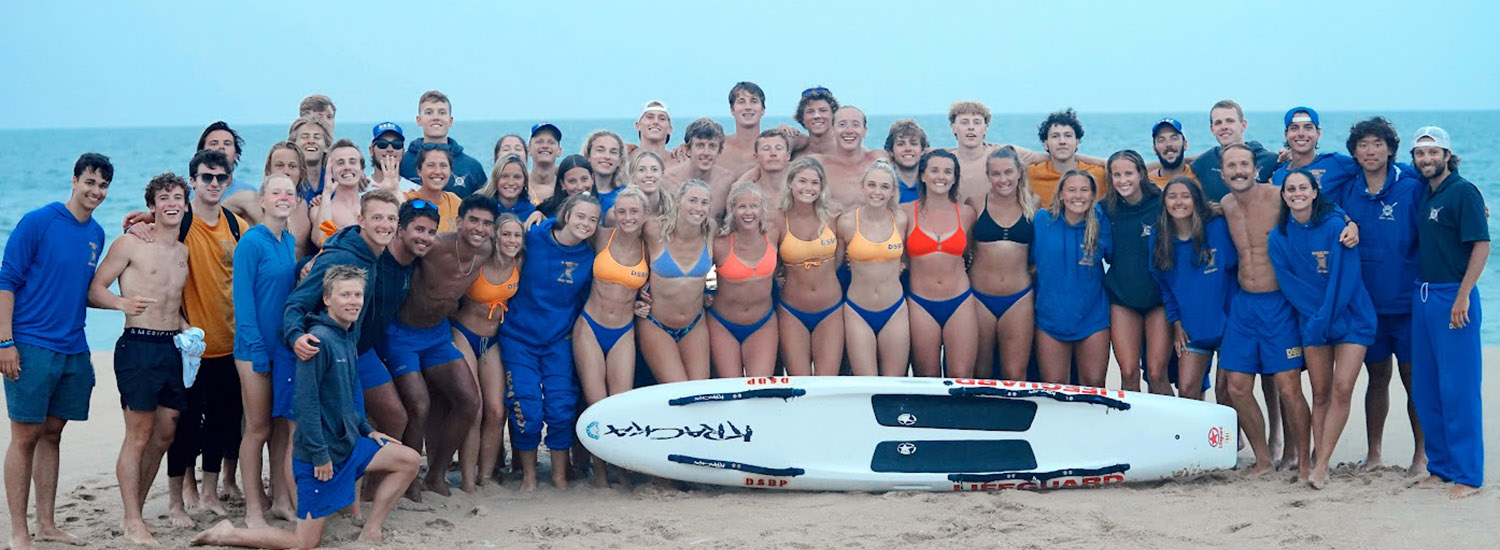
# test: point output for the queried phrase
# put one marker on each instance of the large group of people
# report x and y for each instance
(402, 288)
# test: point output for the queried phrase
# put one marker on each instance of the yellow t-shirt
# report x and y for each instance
(208, 297)
(447, 209)
(1161, 181)
(1043, 179)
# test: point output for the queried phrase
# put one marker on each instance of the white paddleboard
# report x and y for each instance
(925, 434)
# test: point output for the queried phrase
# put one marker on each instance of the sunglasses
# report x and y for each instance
(817, 90)
(443, 146)
(388, 144)
(211, 178)
(422, 204)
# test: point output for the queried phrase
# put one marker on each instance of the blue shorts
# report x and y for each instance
(51, 384)
(1392, 336)
(283, 382)
(1261, 335)
(410, 349)
(317, 499)
(372, 371)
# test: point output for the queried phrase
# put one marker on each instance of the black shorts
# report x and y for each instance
(148, 370)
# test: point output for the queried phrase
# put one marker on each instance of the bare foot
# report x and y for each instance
(1287, 463)
(414, 491)
(21, 542)
(1460, 491)
(53, 534)
(180, 517)
(437, 483)
(214, 535)
(190, 491)
(369, 537)
(528, 483)
(255, 522)
(1418, 467)
(232, 492)
(138, 532)
(282, 511)
(560, 480)
(1372, 463)
(211, 502)
(470, 488)
(1318, 479)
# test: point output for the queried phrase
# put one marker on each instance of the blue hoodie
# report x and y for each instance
(1070, 299)
(49, 263)
(328, 422)
(1388, 236)
(1207, 169)
(555, 281)
(1321, 279)
(468, 175)
(265, 270)
(1205, 289)
(346, 247)
(1333, 170)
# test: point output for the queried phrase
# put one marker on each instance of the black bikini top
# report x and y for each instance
(987, 231)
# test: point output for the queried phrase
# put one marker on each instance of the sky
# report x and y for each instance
(93, 64)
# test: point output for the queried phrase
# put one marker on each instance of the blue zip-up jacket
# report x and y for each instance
(384, 297)
(328, 423)
(1333, 170)
(1321, 279)
(468, 175)
(555, 282)
(265, 270)
(49, 261)
(1070, 299)
(1208, 169)
(1205, 289)
(522, 209)
(306, 300)
(1128, 279)
(1387, 236)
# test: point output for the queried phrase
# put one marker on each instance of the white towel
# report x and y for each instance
(190, 342)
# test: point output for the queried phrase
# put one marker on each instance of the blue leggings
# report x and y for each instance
(539, 389)
(741, 332)
(1445, 383)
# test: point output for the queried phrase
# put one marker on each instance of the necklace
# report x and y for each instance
(472, 262)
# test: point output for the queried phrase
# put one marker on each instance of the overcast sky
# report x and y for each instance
(109, 64)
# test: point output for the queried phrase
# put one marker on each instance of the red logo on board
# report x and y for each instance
(1216, 436)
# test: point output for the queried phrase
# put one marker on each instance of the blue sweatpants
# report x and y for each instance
(540, 389)
(1445, 377)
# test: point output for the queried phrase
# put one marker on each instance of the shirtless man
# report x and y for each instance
(970, 122)
(815, 114)
(846, 163)
(773, 151)
(655, 129)
(1260, 335)
(705, 141)
(314, 137)
(420, 339)
(747, 104)
(545, 145)
(339, 206)
(148, 365)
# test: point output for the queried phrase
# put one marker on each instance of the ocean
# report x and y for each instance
(36, 165)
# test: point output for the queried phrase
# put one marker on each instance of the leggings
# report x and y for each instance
(211, 422)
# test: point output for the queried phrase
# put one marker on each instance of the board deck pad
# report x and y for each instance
(953, 456)
(953, 412)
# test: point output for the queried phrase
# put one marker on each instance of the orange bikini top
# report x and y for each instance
(808, 254)
(862, 249)
(606, 268)
(735, 269)
(920, 244)
(492, 295)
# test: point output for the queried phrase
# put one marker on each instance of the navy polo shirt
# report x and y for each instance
(1452, 220)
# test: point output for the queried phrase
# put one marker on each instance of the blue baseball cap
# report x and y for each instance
(1169, 121)
(1311, 114)
(546, 126)
(386, 127)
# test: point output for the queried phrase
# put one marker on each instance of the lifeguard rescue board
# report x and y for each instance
(905, 434)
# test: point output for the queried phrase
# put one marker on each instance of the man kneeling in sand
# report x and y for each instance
(329, 453)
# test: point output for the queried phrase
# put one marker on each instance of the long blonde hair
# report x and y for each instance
(730, 220)
(670, 209)
(1090, 219)
(882, 165)
(1027, 198)
(629, 179)
(820, 205)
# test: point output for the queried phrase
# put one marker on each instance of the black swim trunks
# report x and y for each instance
(148, 370)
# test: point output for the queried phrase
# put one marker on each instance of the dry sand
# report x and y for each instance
(1219, 510)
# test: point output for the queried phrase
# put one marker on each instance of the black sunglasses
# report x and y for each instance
(388, 144)
(817, 90)
(210, 178)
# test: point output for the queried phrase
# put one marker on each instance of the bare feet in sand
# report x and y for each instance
(1372, 462)
(1318, 479)
(180, 517)
(437, 483)
(1418, 466)
(1258, 469)
(284, 511)
(53, 534)
(210, 501)
(1461, 491)
(414, 491)
(138, 532)
(1429, 482)
(214, 535)
(1286, 463)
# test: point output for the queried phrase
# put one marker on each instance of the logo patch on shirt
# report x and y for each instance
(1145, 230)
(567, 274)
(1213, 258)
(1322, 258)
(1086, 257)
(1388, 211)
(1432, 216)
(93, 254)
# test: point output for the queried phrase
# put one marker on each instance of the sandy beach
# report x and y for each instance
(1218, 510)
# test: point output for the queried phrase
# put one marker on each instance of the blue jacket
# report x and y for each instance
(1207, 168)
(306, 300)
(265, 270)
(1204, 289)
(328, 423)
(1333, 170)
(468, 175)
(49, 262)
(522, 209)
(1128, 279)
(384, 297)
(1070, 299)
(1388, 236)
(1321, 279)
(555, 282)
(909, 193)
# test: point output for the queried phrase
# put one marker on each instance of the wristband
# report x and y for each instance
(7, 343)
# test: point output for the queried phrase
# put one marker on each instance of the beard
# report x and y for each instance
(1172, 165)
